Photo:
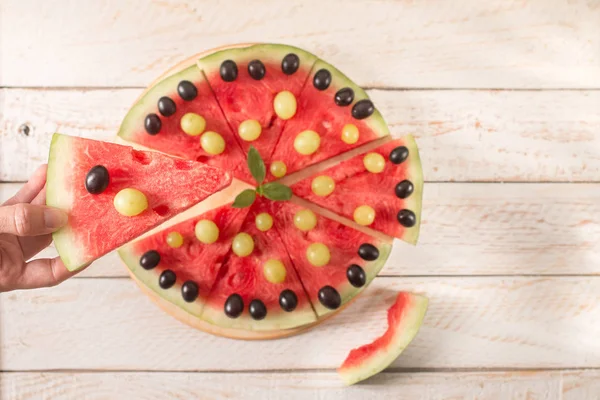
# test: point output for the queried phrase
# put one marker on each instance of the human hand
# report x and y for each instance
(26, 224)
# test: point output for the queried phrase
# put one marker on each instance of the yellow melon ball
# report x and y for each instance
(318, 254)
(174, 239)
(278, 169)
(212, 143)
(193, 124)
(274, 271)
(364, 215)
(206, 231)
(374, 162)
(285, 105)
(350, 134)
(130, 202)
(323, 185)
(305, 220)
(263, 221)
(249, 130)
(243, 244)
(307, 142)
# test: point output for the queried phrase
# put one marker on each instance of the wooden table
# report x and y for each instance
(504, 99)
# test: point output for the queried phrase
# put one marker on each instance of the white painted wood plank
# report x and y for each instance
(581, 385)
(292, 386)
(474, 44)
(481, 229)
(462, 135)
(472, 323)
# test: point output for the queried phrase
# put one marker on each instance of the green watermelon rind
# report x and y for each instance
(415, 201)
(347, 291)
(406, 330)
(134, 119)
(260, 51)
(150, 279)
(59, 196)
(339, 80)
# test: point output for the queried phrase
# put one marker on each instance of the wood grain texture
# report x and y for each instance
(480, 229)
(580, 385)
(551, 136)
(472, 322)
(297, 385)
(473, 44)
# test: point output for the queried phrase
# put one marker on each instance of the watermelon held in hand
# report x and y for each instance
(114, 193)
(404, 317)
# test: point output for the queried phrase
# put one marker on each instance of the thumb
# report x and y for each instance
(30, 220)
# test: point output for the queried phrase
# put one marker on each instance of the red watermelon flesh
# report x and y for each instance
(343, 243)
(194, 261)
(356, 186)
(404, 317)
(245, 277)
(318, 111)
(247, 98)
(171, 139)
(95, 227)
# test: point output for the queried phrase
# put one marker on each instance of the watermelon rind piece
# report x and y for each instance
(58, 160)
(403, 326)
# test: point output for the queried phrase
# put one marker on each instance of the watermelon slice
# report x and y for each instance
(246, 81)
(393, 190)
(405, 317)
(270, 301)
(355, 258)
(194, 265)
(155, 122)
(328, 102)
(95, 226)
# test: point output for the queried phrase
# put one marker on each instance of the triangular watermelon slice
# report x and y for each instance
(265, 281)
(86, 178)
(185, 274)
(355, 258)
(393, 190)
(155, 122)
(246, 82)
(339, 111)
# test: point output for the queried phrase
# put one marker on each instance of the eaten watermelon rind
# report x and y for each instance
(415, 201)
(57, 196)
(408, 326)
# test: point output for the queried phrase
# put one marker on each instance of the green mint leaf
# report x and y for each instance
(245, 198)
(256, 165)
(277, 191)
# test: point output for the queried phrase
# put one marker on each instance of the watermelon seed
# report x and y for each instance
(330, 298)
(344, 97)
(356, 275)
(256, 69)
(152, 124)
(290, 64)
(167, 279)
(189, 291)
(288, 300)
(404, 189)
(166, 106)
(368, 252)
(363, 109)
(234, 306)
(257, 310)
(406, 218)
(322, 79)
(399, 155)
(150, 259)
(228, 71)
(187, 91)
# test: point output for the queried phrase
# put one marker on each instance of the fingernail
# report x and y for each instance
(54, 218)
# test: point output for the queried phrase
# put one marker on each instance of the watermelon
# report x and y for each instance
(355, 257)
(405, 317)
(246, 81)
(269, 301)
(392, 188)
(155, 122)
(184, 275)
(327, 104)
(92, 180)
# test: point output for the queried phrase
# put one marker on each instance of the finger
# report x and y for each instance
(30, 220)
(44, 272)
(32, 245)
(40, 199)
(31, 189)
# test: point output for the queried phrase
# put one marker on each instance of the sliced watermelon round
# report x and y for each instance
(355, 257)
(328, 102)
(246, 81)
(154, 122)
(95, 226)
(405, 317)
(262, 299)
(194, 264)
(394, 192)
